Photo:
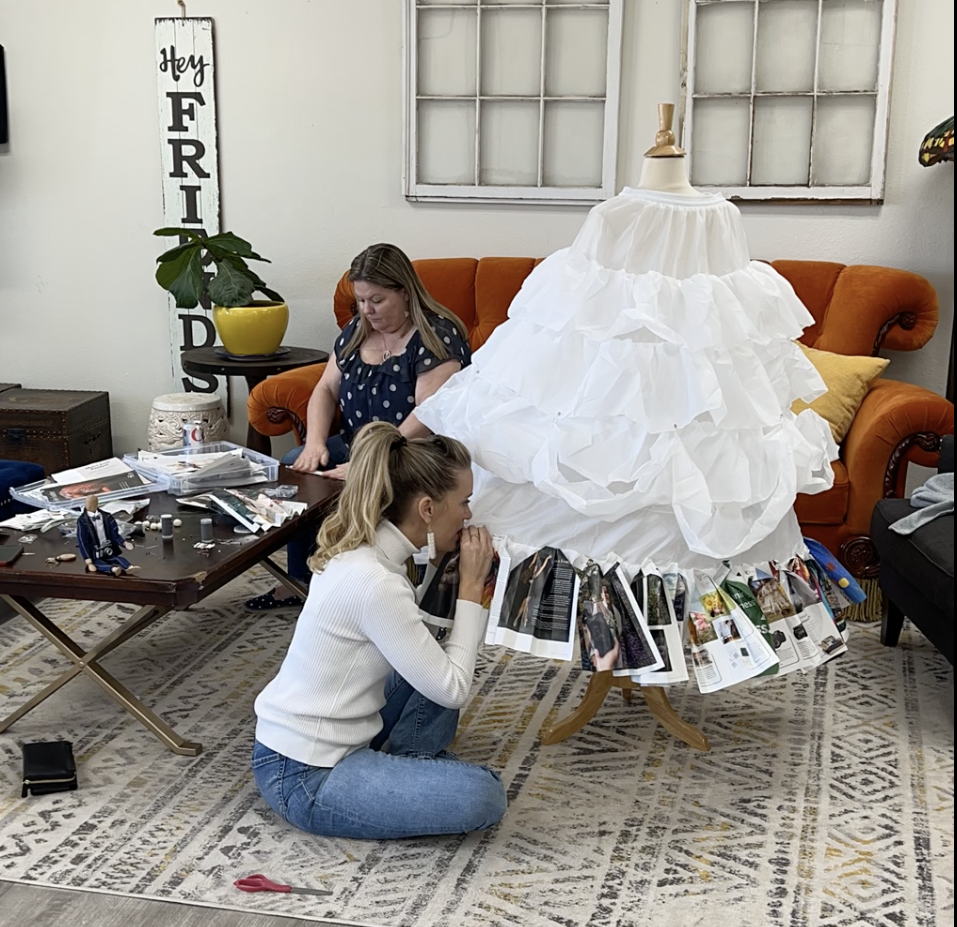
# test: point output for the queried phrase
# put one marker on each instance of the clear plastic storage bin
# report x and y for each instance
(250, 468)
(45, 494)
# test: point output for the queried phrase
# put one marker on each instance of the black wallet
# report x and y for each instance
(48, 767)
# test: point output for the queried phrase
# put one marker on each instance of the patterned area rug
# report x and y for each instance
(827, 799)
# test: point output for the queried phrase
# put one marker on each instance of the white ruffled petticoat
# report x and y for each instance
(636, 405)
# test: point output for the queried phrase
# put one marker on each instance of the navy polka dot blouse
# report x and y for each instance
(386, 392)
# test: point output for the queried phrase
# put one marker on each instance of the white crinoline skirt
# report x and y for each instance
(624, 413)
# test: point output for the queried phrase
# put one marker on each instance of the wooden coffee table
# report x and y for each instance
(173, 575)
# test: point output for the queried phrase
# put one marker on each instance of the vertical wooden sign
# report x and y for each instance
(185, 79)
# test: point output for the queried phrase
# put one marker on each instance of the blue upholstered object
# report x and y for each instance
(16, 473)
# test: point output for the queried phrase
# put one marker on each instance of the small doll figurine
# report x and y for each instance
(100, 542)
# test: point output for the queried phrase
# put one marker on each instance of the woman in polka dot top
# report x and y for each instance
(398, 350)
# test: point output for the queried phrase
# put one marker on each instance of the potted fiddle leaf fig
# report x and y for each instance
(246, 326)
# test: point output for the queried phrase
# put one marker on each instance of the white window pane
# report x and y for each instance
(843, 140)
(575, 46)
(850, 44)
(787, 35)
(446, 52)
(509, 150)
(573, 143)
(721, 132)
(446, 141)
(782, 141)
(511, 52)
(723, 47)
(448, 2)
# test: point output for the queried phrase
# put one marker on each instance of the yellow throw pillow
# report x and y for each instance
(847, 378)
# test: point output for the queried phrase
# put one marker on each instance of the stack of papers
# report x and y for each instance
(210, 468)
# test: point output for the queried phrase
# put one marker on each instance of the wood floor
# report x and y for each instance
(36, 906)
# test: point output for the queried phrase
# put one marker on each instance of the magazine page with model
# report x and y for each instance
(534, 604)
(612, 631)
(662, 599)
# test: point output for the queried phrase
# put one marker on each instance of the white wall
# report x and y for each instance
(310, 132)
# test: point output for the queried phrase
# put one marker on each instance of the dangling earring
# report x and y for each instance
(430, 540)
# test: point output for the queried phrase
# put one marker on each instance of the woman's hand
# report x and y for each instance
(312, 456)
(607, 662)
(475, 561)
(336, 473)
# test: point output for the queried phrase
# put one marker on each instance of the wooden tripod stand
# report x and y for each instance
(600, 685)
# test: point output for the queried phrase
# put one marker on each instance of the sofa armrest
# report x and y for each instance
(898, 423)
(278, 404)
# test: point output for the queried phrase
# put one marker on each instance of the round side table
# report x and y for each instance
(207, 360)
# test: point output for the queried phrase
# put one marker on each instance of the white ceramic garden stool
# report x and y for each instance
(172, 410)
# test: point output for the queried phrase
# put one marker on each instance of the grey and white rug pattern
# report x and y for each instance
(826, 800)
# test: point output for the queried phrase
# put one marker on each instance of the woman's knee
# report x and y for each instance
(489, 801)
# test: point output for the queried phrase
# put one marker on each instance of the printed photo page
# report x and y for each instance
(534, 603)
(612, 631)
(662, 598)
(726, 647)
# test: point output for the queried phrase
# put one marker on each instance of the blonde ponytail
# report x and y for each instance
(387, 473)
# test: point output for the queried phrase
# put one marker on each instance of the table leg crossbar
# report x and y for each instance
(87, 661)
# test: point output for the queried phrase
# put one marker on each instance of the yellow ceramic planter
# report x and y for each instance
(254, 329)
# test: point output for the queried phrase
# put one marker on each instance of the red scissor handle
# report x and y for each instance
(259, 883)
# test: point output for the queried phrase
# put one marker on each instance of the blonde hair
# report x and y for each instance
(387, 473)
(388, 266)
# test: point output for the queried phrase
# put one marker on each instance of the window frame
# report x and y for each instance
(871, 192)
(477, 192)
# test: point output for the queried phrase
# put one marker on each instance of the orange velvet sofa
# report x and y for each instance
(857, 309)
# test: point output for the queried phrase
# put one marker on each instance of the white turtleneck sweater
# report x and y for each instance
(360, 621)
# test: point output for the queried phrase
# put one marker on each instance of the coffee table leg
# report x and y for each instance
(256, 441)
(293, 585)
(86, 662)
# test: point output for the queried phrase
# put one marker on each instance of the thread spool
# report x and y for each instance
(166, 524)
(205, 529)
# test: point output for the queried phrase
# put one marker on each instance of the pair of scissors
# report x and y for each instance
(259, 883)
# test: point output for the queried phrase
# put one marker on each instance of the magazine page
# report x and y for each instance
(534, 603)
(831, 595)
(658, 594)
(230, 503)
(58, 493)
(112, 466)
(726, 648)
(735, 586)
(612, 631)
(787, 628)
(439, 597)
(676, 588)
(809, 605)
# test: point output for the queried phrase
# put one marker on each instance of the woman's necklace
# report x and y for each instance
(387, 352)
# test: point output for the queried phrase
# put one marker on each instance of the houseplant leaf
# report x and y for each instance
(230, 287)
(183, 278)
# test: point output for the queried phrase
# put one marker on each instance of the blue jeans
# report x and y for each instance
(303, 544)
(404, 785)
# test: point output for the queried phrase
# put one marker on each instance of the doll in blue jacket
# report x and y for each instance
(100, 542)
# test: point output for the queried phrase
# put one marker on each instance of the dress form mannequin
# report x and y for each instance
(663, 168)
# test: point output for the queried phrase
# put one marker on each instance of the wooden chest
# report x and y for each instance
(55, 428)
